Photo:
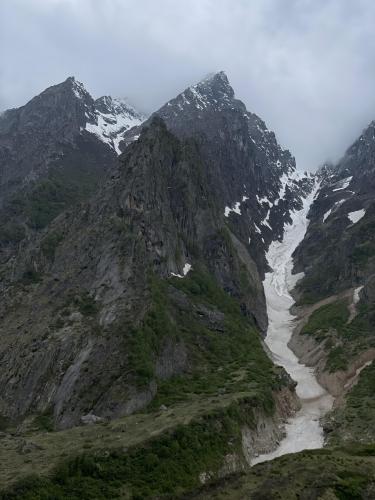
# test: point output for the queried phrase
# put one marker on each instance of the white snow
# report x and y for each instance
(327, 214)
(303, 431)
(78, 89)
(265, 220)
(187, 267)
(109, 127)
(356, 294)
(345, 184)
(236, 209)
(356, 216)
(264, 200)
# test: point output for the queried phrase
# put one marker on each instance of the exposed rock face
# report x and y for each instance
(338, 251)
(205, 187)
(253, 178)
(35, 136)
(67, 345)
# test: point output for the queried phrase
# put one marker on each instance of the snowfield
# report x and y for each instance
(303, 431)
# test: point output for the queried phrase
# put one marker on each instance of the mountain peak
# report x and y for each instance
(219, 77)
(215, 85)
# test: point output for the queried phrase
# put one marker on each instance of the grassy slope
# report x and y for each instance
(355, 421)
(343, 341)
(229, 379)
(344, 474)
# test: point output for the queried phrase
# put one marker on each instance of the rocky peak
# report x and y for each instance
(252, 177)
(214, 91)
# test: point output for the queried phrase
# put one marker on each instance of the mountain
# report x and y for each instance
(255, 179)
(133, 361)
(54, 151)
(336, 294)
(145, 295)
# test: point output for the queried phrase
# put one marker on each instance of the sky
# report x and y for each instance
(306, 67)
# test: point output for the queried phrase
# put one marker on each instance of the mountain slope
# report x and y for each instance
(104, 315)
(53, 152)
(253, 177)
(336, 294)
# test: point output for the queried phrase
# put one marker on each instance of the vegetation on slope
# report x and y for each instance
(169, 464)
(340, 473)
(354, 421)
(342, 340)
(224, 353)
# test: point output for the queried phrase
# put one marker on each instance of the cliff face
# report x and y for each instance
(150, 292)
(338, 250)
(96, 308)
(252, 177)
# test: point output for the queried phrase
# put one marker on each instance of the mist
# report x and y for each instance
(305, 67)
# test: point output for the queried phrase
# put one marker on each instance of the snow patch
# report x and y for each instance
(356, 294)
(236, 209)
(187, 267)
(356, 216)
(345, 184)
(109, 127)
(327, 214)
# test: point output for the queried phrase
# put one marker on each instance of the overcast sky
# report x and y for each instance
(307, 67)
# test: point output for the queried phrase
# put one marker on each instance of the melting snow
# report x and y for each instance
(185, 270)
(303, 431)
(265, 221)
(345, 184)
(264, 200)
(356, 216)
(356, 294)
(236, 209)
(327, 214)
(109, 127)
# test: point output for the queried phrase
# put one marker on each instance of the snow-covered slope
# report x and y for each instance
(107, 118)
(111, 118)
(303, 431)
(253, 179)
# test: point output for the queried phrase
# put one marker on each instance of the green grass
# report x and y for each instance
(354, 422)
(166, 465)
(227, 356)
(340, 473)
(45, 199)
(343, 341)
(333, 315)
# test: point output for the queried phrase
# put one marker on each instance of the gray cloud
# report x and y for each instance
(307, 67)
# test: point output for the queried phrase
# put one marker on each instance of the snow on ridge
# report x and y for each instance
(264, 199)
(109, 127)
(356, 215)
(78, 89)
(345, 183)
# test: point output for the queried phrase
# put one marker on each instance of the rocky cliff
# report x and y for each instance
(253, 177)
(105, 292)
